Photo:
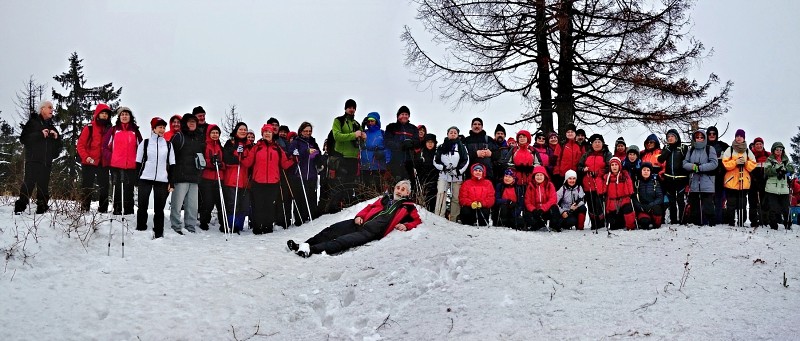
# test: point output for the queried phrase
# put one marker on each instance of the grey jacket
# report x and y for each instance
(702, 181)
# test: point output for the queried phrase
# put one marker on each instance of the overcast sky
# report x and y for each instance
(300, 60)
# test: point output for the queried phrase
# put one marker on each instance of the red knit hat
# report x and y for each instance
(757, 140)
(157, 121)
(267, 127)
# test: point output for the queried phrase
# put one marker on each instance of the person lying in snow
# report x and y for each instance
(374, 222)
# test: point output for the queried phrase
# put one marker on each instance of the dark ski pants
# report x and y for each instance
(652, 218)
(160, 192)
(283, 203)
(346, 234)
(262, 219)
(508, 215)
(470, 216)
(595, 210)
(735, 206)
(621, 216)
(675, 190)
(539, 218)
(701, 208)
(209, 189)
(776, 208)
(574, 218)
(37, 176)
(236, 214)
(89, 176)
(123, 178)
(304, 192)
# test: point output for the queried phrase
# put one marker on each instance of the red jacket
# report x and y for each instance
(540, 196)
(617, 188)
(406, 214)
(269, 160)
(474, 190)
(91, 145)
(795, 192)
(568, 157)
(170, 132)
(120, 144)
(212, 148)
(233, 163)
(598, 166)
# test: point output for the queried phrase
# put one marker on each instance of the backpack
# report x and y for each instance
(330, 142)
(89, 142)
(144, 155)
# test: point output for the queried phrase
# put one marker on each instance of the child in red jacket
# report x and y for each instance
(540, 200)
(507, 210)
(617, 191)
(476, 197)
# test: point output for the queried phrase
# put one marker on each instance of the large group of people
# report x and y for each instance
(525, 181)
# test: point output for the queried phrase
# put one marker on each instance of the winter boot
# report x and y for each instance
(657, 221)
(304, 250)
(204, 226)
(581, 220)
(42, 208)
(292, 245)
(630, 221)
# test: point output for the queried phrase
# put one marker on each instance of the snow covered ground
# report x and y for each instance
(439, 281)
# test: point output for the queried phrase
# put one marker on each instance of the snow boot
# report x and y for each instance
(304, 250)
(292, 245)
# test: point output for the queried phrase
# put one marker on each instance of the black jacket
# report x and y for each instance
(39, 149)
(401, 139)
(187, 144)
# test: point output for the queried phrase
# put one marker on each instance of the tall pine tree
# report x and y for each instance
(74, 111)
(795, 154)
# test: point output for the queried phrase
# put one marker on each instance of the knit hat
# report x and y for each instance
(596, 137)
(538, 134)
(570, 126)
(615, 160)
(198, 110)
(349, 103)
(403, 109)
(124, 109)
(633, 149)
(739, 132)
(422, 127)
(187, 117)
(478, 166)
(499, 128)
(291, 135)
(272, 120)
(284, 128)
(647, 165)
(157, 121)
(580, 132)
(476, 119)
(267, 127)
(430, 137)
(508, 172)
(250, 131)
(570, 174)
(454, 127)
(551, 134)
(757, 140)
(620, 140)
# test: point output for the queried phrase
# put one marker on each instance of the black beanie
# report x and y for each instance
(570, 126)
(403, 109)
(349, 103)
(499, 128)
(596, 137)
(272, 120)
(476, 119)
(620, 140)
(283, 128)
(580, 132)
(198, 110)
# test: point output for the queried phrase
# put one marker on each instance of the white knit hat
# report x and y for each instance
(570, 174)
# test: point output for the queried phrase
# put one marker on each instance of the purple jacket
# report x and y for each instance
(299, 149)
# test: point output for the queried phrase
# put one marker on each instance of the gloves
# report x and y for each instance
(476, 205)
(740, 161)
(408, 144)
(296, 152)
(781, 173)
(240, 149)
(695, 168)
(214, 159)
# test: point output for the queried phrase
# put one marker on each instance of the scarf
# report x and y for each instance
(739, 147)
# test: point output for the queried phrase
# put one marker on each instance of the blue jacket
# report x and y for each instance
(299, 149)
(374, 154)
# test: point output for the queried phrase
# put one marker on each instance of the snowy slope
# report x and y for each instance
(439, 281)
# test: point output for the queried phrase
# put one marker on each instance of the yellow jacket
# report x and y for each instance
(736, 178)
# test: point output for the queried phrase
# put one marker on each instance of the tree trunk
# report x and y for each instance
(565, 106)
(543, 63)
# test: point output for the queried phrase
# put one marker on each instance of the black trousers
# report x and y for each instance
(701, 207)
(37, 176)
(346, 234)
(571, 220)
(209, 189)
(89, 176)
(123, 178)
(304, 191)
(736, 201)
(265, 196)
(160, 193)
(470, 216)
(675, 190)
(776, 209)
(283, 205)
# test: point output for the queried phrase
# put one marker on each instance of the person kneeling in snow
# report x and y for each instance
(374, 222)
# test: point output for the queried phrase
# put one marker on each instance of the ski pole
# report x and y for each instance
(111, 220)
(236, 191)
(122, 206)
(224, 223)
(291, 193)
(305, 193)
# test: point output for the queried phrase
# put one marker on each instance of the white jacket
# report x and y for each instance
(447, 162)
(155, 167)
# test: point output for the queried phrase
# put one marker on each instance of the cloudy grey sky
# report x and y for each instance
(301, 60)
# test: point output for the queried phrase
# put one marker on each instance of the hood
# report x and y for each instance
(777, 145)
(700, 145)
(653, 137)
(429, 137)
(527, 135)
(208, 133)
(374, 115)
(677, 135)
(100, 108)
(179, 117)
(541, 169)
(713, 129)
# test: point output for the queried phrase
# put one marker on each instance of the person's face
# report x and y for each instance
(539, 177)
(570, 135)
(522, 139)
(671, 139)
(283, 134)
(553, 139)
(103, 115)
(614, 167)
(403, 117)
(778, 152)
(739, 139)
(191, 124)
(452, 134)
(306, 132)
(47, 111)
(214, 135)
(499, 136)
(241, 132)
(712, 135)
(421, 132)
(699, 137)
(650, 144)
(758, 146)
(201, 117)
(477, 173)
(275, 126)
(125, 117)
(632, 157)
(597, 145)
(620, 148)
(572, 180)
(580, 138)
(350, 111)
(175, 124)
(401, 191)
(477, 127)
(372, 122)
(508, 179)
(159, 130)
(540, 140)
(267, 134)
(251, 137)
(430, 145)
(645, 173)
